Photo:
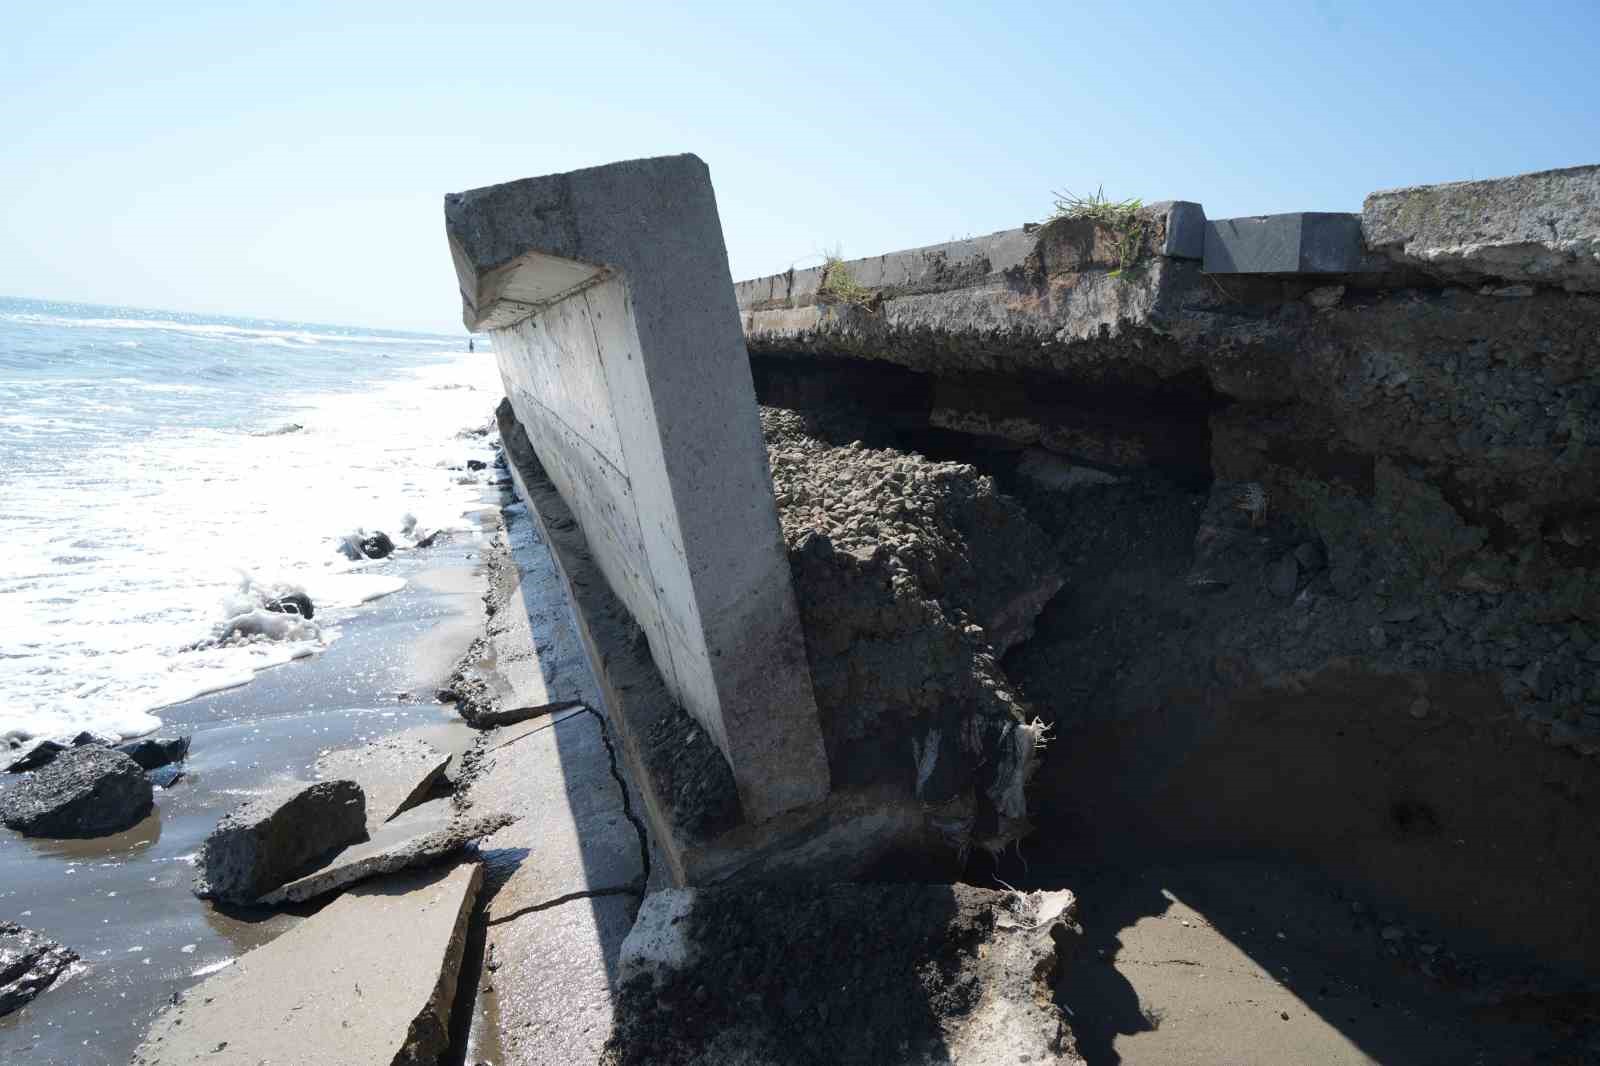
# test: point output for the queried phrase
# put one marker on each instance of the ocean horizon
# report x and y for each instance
(164, 475)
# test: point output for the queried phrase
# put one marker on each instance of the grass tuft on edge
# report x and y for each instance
(1121, 217)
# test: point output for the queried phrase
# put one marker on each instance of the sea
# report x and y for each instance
(165, 476)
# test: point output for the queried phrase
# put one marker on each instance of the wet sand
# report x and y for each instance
(123, 902)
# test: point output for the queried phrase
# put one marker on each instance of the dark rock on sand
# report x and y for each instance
(377, 546)
(477, 464)
(296, 603)
(29, 964)
(271, 839)
(151, 752)
(84, 792)
(428, 541)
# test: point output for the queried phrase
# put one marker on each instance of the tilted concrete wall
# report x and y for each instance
(608, 296)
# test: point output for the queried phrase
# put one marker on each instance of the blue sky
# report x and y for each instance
(288, 159)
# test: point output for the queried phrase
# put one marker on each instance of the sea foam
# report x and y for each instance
(143, 544)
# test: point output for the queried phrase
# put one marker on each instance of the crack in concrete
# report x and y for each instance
(633, 888)
(551, 725)
(627, 802)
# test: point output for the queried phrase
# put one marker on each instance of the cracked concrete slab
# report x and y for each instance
(421, 836)
(334, 990)
(395, 773)
(549, 995)
(575, 833)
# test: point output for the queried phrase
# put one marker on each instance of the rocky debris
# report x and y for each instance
(428, 540)
(964, 542)
(370, 978)
(44, 750)
(467, 687)
(422, 836)
(910, 577)
(377, 546)
(154, 752)
(29, 964)
(394, 773)
(269, 840)
(879, 974)
(84, 792)
(1542, 227)
(477, 464)
(295, 603)
(35, 755)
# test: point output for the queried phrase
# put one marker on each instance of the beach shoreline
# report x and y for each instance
(124, 902)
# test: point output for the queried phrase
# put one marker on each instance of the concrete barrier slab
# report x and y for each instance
(1302, 242)
(369, 978)
(615, 324)
(1186, 228)
(1542, 228)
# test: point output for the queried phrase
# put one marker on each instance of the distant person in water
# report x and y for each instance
(469, 344)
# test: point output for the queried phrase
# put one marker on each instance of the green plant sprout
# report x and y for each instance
(1121, 217)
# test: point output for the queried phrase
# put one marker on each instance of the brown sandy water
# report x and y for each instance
(123, 902)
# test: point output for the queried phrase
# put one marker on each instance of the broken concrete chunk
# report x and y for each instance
(261, 844)
(29, 964)
(421, 836)
(395, 773)
(1542, 228)
(83, 792)
(371, 978)
(849, 973)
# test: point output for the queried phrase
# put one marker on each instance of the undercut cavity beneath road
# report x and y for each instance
(1135, 422)
(1237, 737)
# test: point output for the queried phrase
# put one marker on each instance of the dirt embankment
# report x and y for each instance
(910, 576)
